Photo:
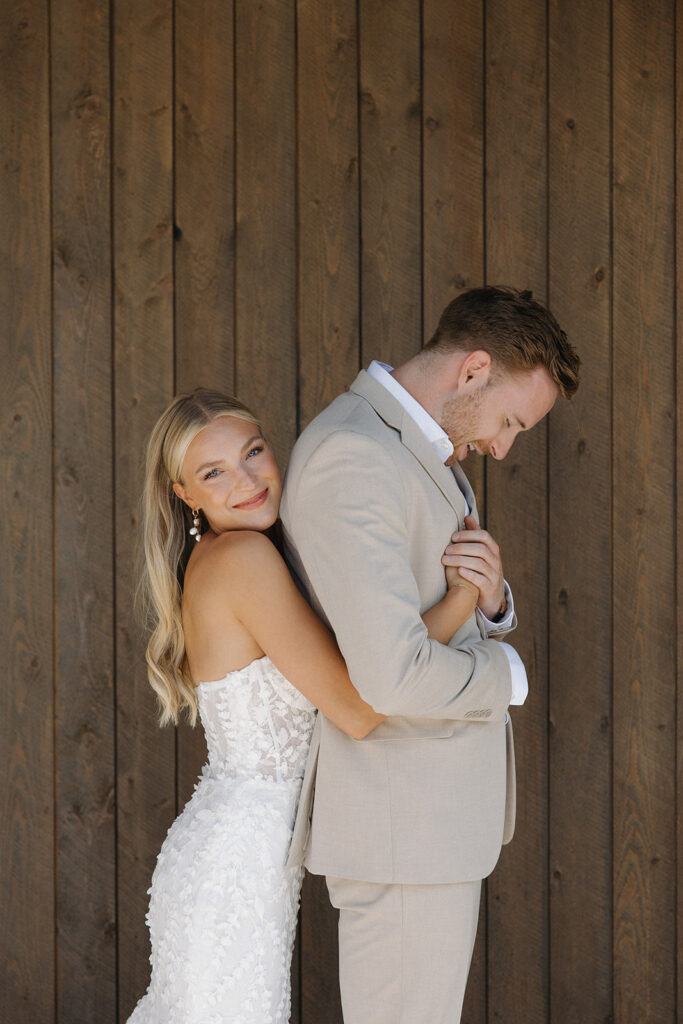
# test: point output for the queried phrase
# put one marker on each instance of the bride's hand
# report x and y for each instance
(454, 579)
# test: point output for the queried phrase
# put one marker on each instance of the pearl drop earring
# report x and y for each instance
(196, 525)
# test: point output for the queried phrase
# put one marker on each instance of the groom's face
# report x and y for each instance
(487, 418)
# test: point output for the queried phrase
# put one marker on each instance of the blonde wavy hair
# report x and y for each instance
(167, 544)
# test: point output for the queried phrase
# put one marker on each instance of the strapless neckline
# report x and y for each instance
(210, 683)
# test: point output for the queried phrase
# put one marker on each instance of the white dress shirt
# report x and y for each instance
(442, 445)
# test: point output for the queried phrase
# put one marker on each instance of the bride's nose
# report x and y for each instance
(244, 479)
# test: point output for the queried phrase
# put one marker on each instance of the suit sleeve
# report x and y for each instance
(347, 518)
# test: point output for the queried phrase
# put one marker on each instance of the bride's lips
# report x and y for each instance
(254, 502)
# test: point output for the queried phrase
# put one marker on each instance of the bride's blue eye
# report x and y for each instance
(255, 451)
(209, 475)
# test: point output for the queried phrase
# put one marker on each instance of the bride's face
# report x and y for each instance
(229, 472)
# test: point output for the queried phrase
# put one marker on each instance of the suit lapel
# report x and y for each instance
(464, 486)
(395, 416)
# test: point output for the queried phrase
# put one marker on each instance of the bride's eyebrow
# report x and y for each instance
(217, 462)
(206, 465)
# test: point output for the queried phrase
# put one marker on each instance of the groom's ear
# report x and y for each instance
(474, 370)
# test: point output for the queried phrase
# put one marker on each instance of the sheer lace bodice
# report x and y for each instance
(256, 723)
(223, 904)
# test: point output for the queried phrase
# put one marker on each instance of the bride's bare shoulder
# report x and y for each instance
(231, 560)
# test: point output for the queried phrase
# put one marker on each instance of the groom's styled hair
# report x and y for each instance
(517, 332)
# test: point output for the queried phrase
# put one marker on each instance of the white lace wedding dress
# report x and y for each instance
(223, 907)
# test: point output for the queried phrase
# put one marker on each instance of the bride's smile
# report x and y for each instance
(230, 473)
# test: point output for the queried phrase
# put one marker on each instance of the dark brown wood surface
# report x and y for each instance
(263, 197)
(579, 585)
(644, 763)
(83, 511)
(390, 174)
(678, 469)
(27, 852)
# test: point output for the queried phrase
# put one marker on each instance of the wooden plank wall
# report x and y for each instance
(263, 196)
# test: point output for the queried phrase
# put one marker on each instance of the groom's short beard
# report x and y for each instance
(459, 417)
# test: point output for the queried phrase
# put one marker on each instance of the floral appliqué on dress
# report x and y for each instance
(223, 907)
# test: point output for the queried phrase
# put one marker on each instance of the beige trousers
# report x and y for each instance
(404, 950)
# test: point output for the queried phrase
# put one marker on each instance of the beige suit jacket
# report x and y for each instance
(429, 796)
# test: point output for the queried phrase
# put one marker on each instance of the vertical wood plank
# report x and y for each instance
(678, 206)
(453, 153)
(86, 845)
(328, 181)
(453, 233)
(328, 318)
(204, 195)
(265, 139)
(643, 496)
(516, 499)
(580, 521)
(27, 990)
(143, 335)
(204, 235)
(391, 200)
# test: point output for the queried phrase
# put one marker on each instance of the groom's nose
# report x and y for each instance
(499, 447)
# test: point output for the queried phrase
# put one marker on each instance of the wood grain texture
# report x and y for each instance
(452, 153)
(86, 843)
(265, 315)
(643, 509)
(204, 195)
(391, 229)
(143, 361)
(580, 656)
(27, 988)
(328, 196)
(678, 131)
(204, 235)
(516, 499)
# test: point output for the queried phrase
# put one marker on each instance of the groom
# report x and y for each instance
(407, 822)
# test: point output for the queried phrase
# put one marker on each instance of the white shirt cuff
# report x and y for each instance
(506, 622)
(520, 684)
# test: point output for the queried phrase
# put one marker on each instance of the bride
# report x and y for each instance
(236, 644)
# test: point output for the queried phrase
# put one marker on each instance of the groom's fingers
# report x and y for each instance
(477, 557)
(476, 537)
(483, 552)
(475, 550)
(469, 561)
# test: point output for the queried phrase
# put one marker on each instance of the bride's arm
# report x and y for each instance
(444, 619)
(259, 591)
(265, 599)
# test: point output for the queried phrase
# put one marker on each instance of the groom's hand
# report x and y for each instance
(477, 557)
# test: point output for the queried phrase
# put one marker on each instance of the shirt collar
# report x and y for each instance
(436, 436)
